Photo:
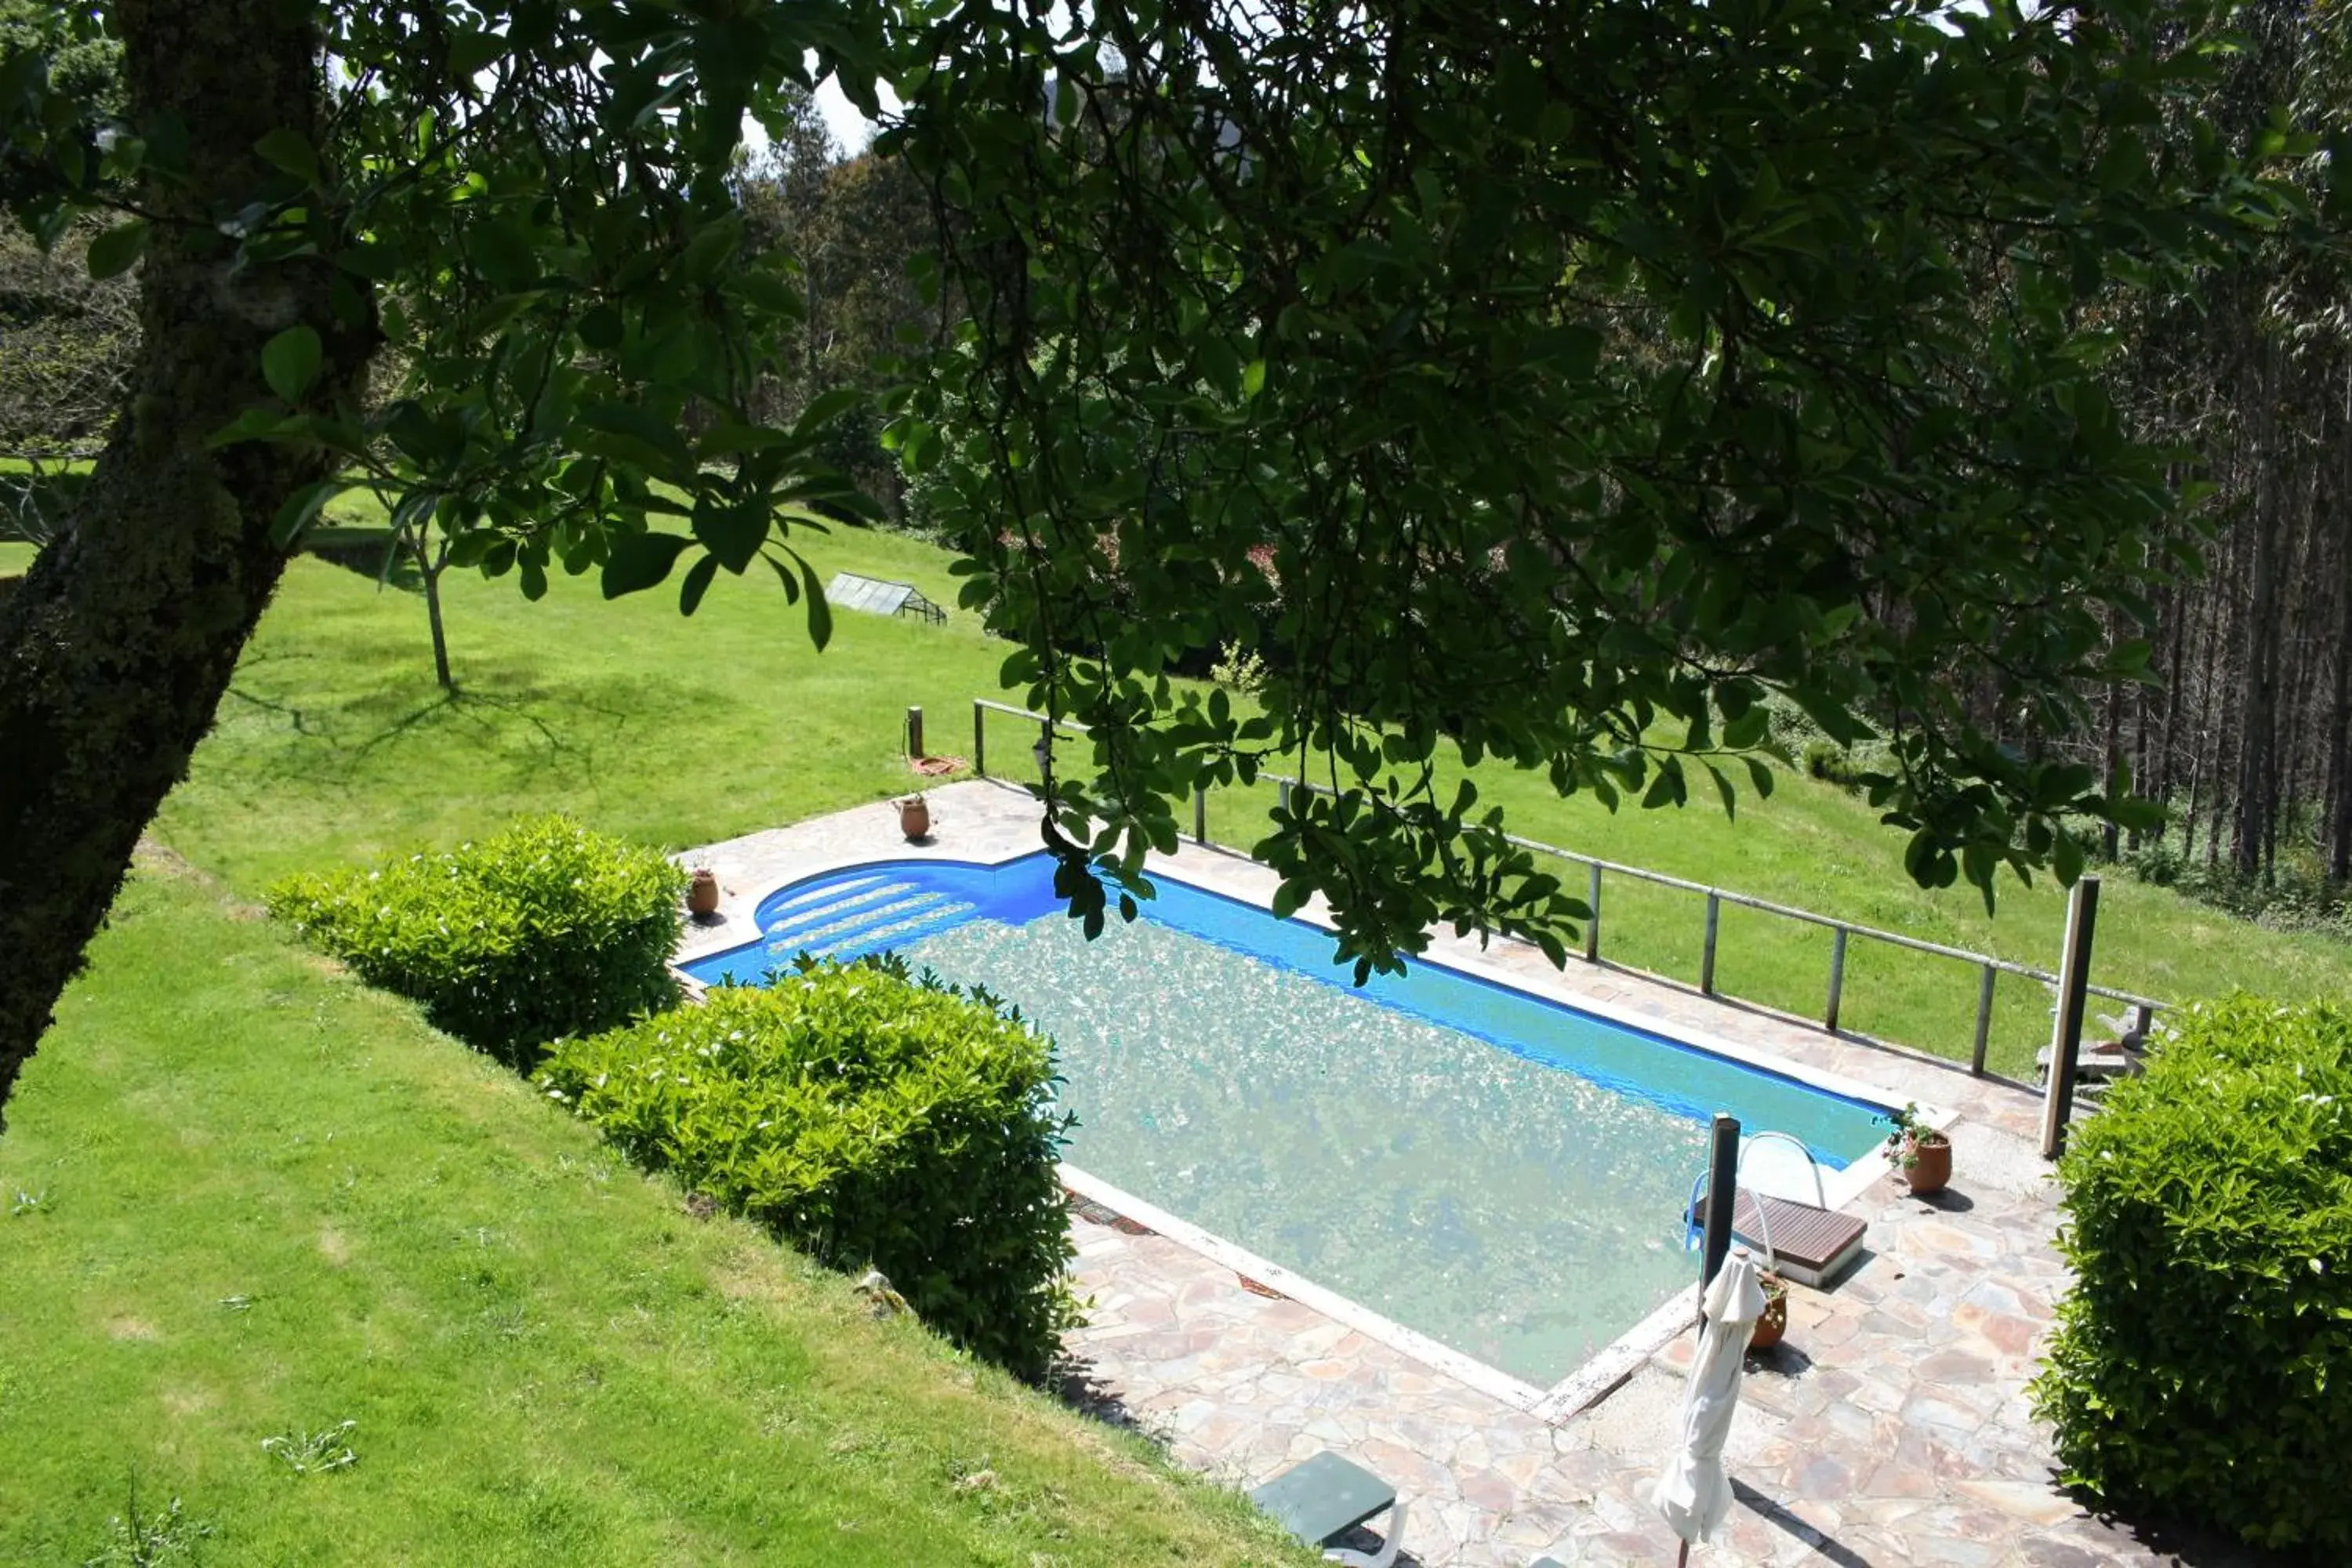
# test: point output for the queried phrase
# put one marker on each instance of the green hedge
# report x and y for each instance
(2202, 1364)
(546, 930)
(869, 1119)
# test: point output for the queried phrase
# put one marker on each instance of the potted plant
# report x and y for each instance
(914, 816)
(702, 893)
(1923, 1155)
(1774, 1322)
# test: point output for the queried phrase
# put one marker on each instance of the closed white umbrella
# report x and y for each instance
(1695, 1493)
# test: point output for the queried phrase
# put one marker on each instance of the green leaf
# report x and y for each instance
(603, 329)
(112, 253)
(633, 434)
(289, 362)
(824, 409)
(696, 584)
(1747, 730)
(639, 561)
(820, 614)
(301, 509)
(731, 531)
(291, 151)
(1253, 378)
(730, 439)
(255, 424)
(2066, 858)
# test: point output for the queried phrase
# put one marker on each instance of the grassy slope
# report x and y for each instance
(335, 743)
(544, 1357)
(548, 1361)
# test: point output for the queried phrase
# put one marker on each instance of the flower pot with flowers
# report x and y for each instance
(1773, 1323)
(1923, 1155)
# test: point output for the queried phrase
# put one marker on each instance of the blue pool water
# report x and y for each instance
(1502, 1173)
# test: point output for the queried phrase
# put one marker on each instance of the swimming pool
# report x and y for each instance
(1502, 1173)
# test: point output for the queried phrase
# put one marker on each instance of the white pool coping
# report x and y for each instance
(1594, 1378)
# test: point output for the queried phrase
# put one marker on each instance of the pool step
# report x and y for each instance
(880, 914)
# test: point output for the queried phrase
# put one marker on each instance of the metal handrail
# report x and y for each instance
(1749, 901)
(981, 707)
(1989, 966)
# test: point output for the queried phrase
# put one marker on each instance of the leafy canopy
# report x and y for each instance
(1544, 381)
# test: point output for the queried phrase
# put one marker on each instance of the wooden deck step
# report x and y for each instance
(1810, 1245)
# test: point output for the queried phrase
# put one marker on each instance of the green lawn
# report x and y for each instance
(334, 743)
(243, 1195)
(258, 1198)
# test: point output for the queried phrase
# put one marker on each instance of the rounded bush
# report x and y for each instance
(546, 930)
(869, 1119)
(2202, 1364)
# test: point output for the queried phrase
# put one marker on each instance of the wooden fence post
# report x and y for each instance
(2074, 996)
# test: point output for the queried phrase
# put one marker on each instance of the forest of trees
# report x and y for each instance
(2244, 729)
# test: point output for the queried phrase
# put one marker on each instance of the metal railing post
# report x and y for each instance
(1837, 979)
(1984, 1020)
(1592, 921)
(1199, 814)
(979, 738)
(1707, 953)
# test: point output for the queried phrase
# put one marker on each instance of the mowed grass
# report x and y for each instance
(335, 744)
(243, 1195)
(257, 1199)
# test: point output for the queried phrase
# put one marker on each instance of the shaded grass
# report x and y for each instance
(334, 743)
(258, 1198)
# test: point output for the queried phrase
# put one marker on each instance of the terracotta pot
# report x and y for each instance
(1930, 1170)
(702, 893)
(1774, 1324)
(914, 816)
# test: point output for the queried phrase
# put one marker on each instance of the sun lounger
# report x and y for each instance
(1328, 1496)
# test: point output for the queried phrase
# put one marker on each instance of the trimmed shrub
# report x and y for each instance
(869, 1119)
(2202, 1364)
(546, 930)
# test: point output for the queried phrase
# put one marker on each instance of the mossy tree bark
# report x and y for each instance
(116, 648)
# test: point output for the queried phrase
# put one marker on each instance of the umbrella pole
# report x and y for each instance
(1682, 1558)
(1722, 1198)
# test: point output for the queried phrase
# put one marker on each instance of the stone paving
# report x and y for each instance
(1890, 1428)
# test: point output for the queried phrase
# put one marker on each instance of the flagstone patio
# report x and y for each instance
(1892, 1427)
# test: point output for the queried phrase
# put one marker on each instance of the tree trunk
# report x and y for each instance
(2110, 835)
(430, 568)
(2339, 707)
(116, 648)
(2257, 717)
